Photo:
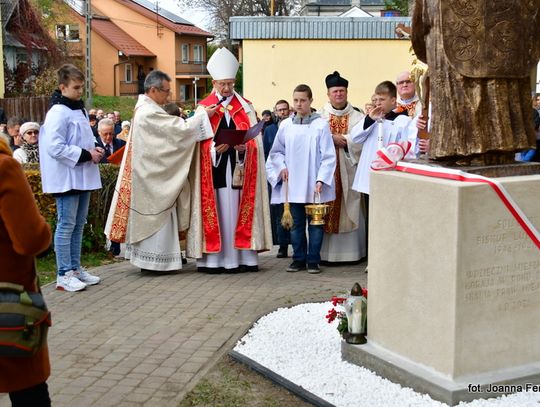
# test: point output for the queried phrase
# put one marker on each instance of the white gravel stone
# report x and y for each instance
(298, 344)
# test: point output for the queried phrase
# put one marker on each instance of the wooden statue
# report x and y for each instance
(480, 55)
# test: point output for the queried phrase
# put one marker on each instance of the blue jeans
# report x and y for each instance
(71, 217)
(302, 251)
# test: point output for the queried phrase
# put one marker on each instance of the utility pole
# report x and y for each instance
(195, 80)
(88, 74)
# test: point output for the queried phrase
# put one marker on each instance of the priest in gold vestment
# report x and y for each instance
(345, 229)
(151, 189)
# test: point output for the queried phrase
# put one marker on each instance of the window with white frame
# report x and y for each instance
(68, 32)
(128, 73)
(185, 53)
(197, 54)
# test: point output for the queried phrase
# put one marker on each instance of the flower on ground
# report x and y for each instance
(337, 300)
(331, 316)
(334, 314)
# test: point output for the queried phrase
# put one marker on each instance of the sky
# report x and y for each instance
(197, 16)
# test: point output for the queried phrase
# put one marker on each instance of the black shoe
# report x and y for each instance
(249, 269)
(282, 252)
(313, 268)
(296, 266)
(211, 270)
(115, 248)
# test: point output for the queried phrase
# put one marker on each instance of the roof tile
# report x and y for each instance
(121, 40)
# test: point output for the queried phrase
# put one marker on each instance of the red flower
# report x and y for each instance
(331, 316)
(337, 300)
(364, 292)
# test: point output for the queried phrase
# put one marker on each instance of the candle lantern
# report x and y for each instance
(356, 309)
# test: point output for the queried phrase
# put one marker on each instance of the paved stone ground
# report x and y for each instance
(147, 339)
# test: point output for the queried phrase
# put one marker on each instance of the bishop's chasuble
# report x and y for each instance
(228, 226)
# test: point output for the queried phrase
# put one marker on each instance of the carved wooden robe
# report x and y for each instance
(480, 54)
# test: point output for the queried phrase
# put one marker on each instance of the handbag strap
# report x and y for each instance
(18, 288)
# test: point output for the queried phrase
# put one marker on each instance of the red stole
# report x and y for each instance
(244, 225)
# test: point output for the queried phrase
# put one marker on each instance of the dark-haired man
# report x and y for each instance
(280, 236)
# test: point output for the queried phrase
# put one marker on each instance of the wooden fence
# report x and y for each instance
(32, 108)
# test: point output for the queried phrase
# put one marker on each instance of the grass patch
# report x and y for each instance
(231, 384)
(124, 104)
(46, 266)
(229, 391)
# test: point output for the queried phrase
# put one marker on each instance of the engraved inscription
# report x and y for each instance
(507, 238)
(508, 284)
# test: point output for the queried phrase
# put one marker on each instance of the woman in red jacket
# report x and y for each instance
(24, 233)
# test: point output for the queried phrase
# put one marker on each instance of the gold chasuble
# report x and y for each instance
(154, 171)
(344, 212)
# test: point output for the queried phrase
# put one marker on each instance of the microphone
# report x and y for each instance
(223, 99)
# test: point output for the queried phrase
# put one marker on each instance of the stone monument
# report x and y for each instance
(454, 286)
(454, 280)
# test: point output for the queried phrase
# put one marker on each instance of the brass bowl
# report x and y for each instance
(317, 212)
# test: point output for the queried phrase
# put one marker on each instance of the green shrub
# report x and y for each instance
(124, 104)
(100, 201)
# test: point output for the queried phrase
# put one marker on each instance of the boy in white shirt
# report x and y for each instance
(397, 126)
(304, 156)
(68, 158)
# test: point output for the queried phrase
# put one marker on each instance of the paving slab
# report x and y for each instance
(146, 339)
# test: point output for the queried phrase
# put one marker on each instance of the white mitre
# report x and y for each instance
(222, 65)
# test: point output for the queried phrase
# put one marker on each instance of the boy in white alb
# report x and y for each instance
(397, 126)
(303, 154)
(68, 159)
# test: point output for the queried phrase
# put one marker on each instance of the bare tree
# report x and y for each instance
(220, 11)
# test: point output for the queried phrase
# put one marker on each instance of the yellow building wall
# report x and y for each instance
(104, 57)
(273, 68)
(145, 31)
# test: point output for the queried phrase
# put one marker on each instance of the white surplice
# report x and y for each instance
(308, 152)
(159, 252)
(402, 128)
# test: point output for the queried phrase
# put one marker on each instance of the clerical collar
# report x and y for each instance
(305, 120)
(339, 110)
(407, 101)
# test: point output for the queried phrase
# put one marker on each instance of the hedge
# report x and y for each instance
(100, 200)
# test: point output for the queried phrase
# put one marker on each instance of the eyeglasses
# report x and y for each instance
(109, 133)
(32, 132)
(164, 90)
(404, 82)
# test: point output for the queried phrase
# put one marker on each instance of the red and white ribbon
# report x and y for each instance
(389, 158)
